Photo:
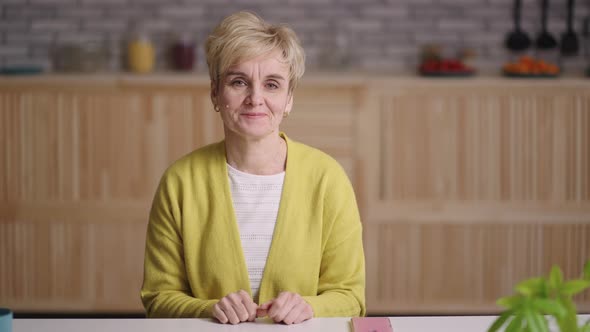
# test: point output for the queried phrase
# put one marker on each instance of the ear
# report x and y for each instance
(289, 105)
(214, 92)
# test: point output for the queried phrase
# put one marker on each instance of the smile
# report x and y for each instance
(253, 115)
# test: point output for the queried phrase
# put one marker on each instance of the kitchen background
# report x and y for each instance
(465, 185)
(383, 35)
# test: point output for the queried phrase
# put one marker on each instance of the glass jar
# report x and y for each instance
(140, 54)
(85, 57)
(183, 54)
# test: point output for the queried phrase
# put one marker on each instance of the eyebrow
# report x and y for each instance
(239, 73)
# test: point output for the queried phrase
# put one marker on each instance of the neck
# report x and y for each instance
(266, 156)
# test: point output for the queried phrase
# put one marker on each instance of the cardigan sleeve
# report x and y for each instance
(165, 291)
(341, 286)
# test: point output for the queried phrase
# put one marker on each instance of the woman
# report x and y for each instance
(217, 210)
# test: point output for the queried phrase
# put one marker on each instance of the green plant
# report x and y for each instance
(537, 298)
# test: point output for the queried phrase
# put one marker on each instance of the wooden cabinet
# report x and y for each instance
(471, 188)
(80, 168)
(465, 186)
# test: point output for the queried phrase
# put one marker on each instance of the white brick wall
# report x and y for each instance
(11, 25)
(13, 50)
(104, 25)
(460, 25)
(78, 37)
(422, 38)
(382, 34)
(80, 12)
(53, 2)
(53, 25)
(130, 13)
(385, 13)
(24, 11)
(105, 2)
(183, 12)
(29, 38)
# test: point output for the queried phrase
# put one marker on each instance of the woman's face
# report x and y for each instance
(253, 96)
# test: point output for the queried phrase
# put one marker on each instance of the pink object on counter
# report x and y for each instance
(371, 324)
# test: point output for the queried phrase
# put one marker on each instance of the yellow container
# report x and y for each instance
(141, 57)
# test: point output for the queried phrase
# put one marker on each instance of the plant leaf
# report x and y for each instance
(547, 306)
(587, 270)
(555, 277)
(500, 321)
(515, 324)
(569, 322)
(536, 322)
(574, 286)
(510, 302)
(531, 286)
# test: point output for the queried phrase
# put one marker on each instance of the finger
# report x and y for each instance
(266, 305)
(261, 312)
(249, 304)
(305, 315)
(251, 308)
(219, 314)
(295, 312)
(229, 311)
(238, 306)
(288, 305)
(252, 313)
(278, 303)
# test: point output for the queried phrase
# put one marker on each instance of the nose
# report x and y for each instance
(254, 97)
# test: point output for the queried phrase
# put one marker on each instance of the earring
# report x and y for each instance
(216, 108)
(286, 115)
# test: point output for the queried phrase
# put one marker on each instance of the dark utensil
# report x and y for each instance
(545, 40)
(586, 35)
(517, 40)
(569, 40)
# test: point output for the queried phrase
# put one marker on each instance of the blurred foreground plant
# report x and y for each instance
(537, 297)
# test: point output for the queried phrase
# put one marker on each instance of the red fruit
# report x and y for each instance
(455, 65)
(430, 65)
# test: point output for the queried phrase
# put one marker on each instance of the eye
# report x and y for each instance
(272, 85)
(238, 83)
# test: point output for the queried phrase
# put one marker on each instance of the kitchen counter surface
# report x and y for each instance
(399, 324)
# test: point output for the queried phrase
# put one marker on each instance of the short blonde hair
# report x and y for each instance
(243, 36)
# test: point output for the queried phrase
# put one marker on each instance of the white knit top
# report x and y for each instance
(256, 201)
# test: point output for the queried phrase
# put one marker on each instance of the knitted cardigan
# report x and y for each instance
(193, 253)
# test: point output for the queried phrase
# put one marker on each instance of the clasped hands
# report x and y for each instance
(288, 308)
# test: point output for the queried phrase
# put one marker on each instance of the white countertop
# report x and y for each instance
(399, 324)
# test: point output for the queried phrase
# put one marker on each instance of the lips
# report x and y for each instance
(253, 115)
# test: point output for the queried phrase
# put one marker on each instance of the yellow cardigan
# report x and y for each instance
(193, 253)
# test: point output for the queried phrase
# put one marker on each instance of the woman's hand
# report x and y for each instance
(288, 307)
(235, 308)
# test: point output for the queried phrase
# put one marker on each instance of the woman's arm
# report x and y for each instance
(166, 291)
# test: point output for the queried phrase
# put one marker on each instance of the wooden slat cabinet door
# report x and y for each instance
(324, 117)
(471, 190)
(78, 174)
